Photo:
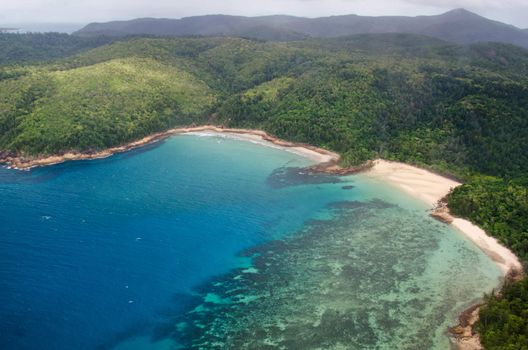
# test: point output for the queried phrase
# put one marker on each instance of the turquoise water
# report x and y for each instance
(214, 243)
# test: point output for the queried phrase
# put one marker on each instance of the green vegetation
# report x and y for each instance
(35, 47)
(459, 110)
(420, 101)
(97, 106)
(499, 206)
(502, 324)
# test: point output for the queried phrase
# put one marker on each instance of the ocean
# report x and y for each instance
(203, 241)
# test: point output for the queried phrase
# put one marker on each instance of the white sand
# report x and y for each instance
(504, 257)
(420, 183)
(431, 188)
(313, 155)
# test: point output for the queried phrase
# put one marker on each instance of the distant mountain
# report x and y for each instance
(459, 26)
(273, 28)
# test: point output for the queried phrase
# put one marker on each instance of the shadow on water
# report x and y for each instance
(374, 203)
(295, 176)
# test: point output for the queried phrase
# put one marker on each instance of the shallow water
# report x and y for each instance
(208, 242)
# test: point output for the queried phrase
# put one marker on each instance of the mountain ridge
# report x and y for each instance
(458, 26)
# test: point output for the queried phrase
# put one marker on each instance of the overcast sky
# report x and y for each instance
(83, 11)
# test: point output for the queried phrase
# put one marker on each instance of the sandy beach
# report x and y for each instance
(419, 183)
(317, 155)
(431, 188)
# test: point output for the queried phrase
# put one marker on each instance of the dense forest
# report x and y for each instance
(502, 323)
(499, 206)
(459, 110)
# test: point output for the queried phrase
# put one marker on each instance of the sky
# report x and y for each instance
(85, 11)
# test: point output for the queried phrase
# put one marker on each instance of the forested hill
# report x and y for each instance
(458, 108)
(458, 26)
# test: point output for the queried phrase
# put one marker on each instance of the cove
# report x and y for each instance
(211, 242)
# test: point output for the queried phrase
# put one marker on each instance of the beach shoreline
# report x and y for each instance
(325, 160)
(432, 189)
(424, 185)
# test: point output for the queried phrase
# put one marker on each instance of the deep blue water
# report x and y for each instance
(99, 254)
(92, 250)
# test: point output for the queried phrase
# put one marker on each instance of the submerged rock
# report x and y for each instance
(295, 176)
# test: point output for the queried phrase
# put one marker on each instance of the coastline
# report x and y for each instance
(422, 184)
(432, 189)
(325, 160)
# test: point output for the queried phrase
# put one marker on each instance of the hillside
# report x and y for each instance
(397, 96)
(87, 108)
(458, 26)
